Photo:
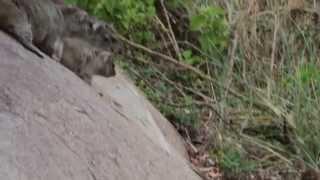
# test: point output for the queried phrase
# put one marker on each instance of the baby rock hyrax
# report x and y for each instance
(94, 31)
(86, 60)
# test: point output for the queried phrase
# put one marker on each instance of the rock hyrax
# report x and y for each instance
(14, 21)
(86, 60)
(47, 24)
(98, 33)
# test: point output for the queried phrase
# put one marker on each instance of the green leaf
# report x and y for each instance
(197, 22)
(187, 54)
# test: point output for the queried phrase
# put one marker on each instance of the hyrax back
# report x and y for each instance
(14, 21)
(85, 60)
(60, 2)
(47, 25)
(96, 32)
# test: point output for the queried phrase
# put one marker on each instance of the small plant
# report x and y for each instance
(190, 58)
(210, 22)
(129, 14)
(233, 160)
(304, 91)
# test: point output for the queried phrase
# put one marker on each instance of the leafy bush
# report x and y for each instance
(210, 22)
(234, 161)
(129, 14)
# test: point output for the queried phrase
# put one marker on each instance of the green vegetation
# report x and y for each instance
(249, 72)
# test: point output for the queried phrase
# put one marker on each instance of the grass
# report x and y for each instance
(272, 62)
(254, 89)
(276, 65)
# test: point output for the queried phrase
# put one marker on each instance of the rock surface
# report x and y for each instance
(129, 99)
(53, 126)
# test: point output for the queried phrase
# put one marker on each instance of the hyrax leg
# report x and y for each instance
(53, 46)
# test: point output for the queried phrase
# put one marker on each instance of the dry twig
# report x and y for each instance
(171, 33)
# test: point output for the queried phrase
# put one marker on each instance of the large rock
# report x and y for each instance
(53, 126)
(121, 91)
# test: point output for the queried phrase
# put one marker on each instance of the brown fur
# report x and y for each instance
(14, 21)
(86, 60)
(98, 33)
(47, 25)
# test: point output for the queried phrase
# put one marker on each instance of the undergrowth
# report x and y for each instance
(246, 71)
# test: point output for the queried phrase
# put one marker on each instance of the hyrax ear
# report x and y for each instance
(98, 26)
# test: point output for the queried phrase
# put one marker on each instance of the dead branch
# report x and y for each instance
(171, 34)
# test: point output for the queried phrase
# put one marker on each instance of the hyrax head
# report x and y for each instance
(99, 63)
